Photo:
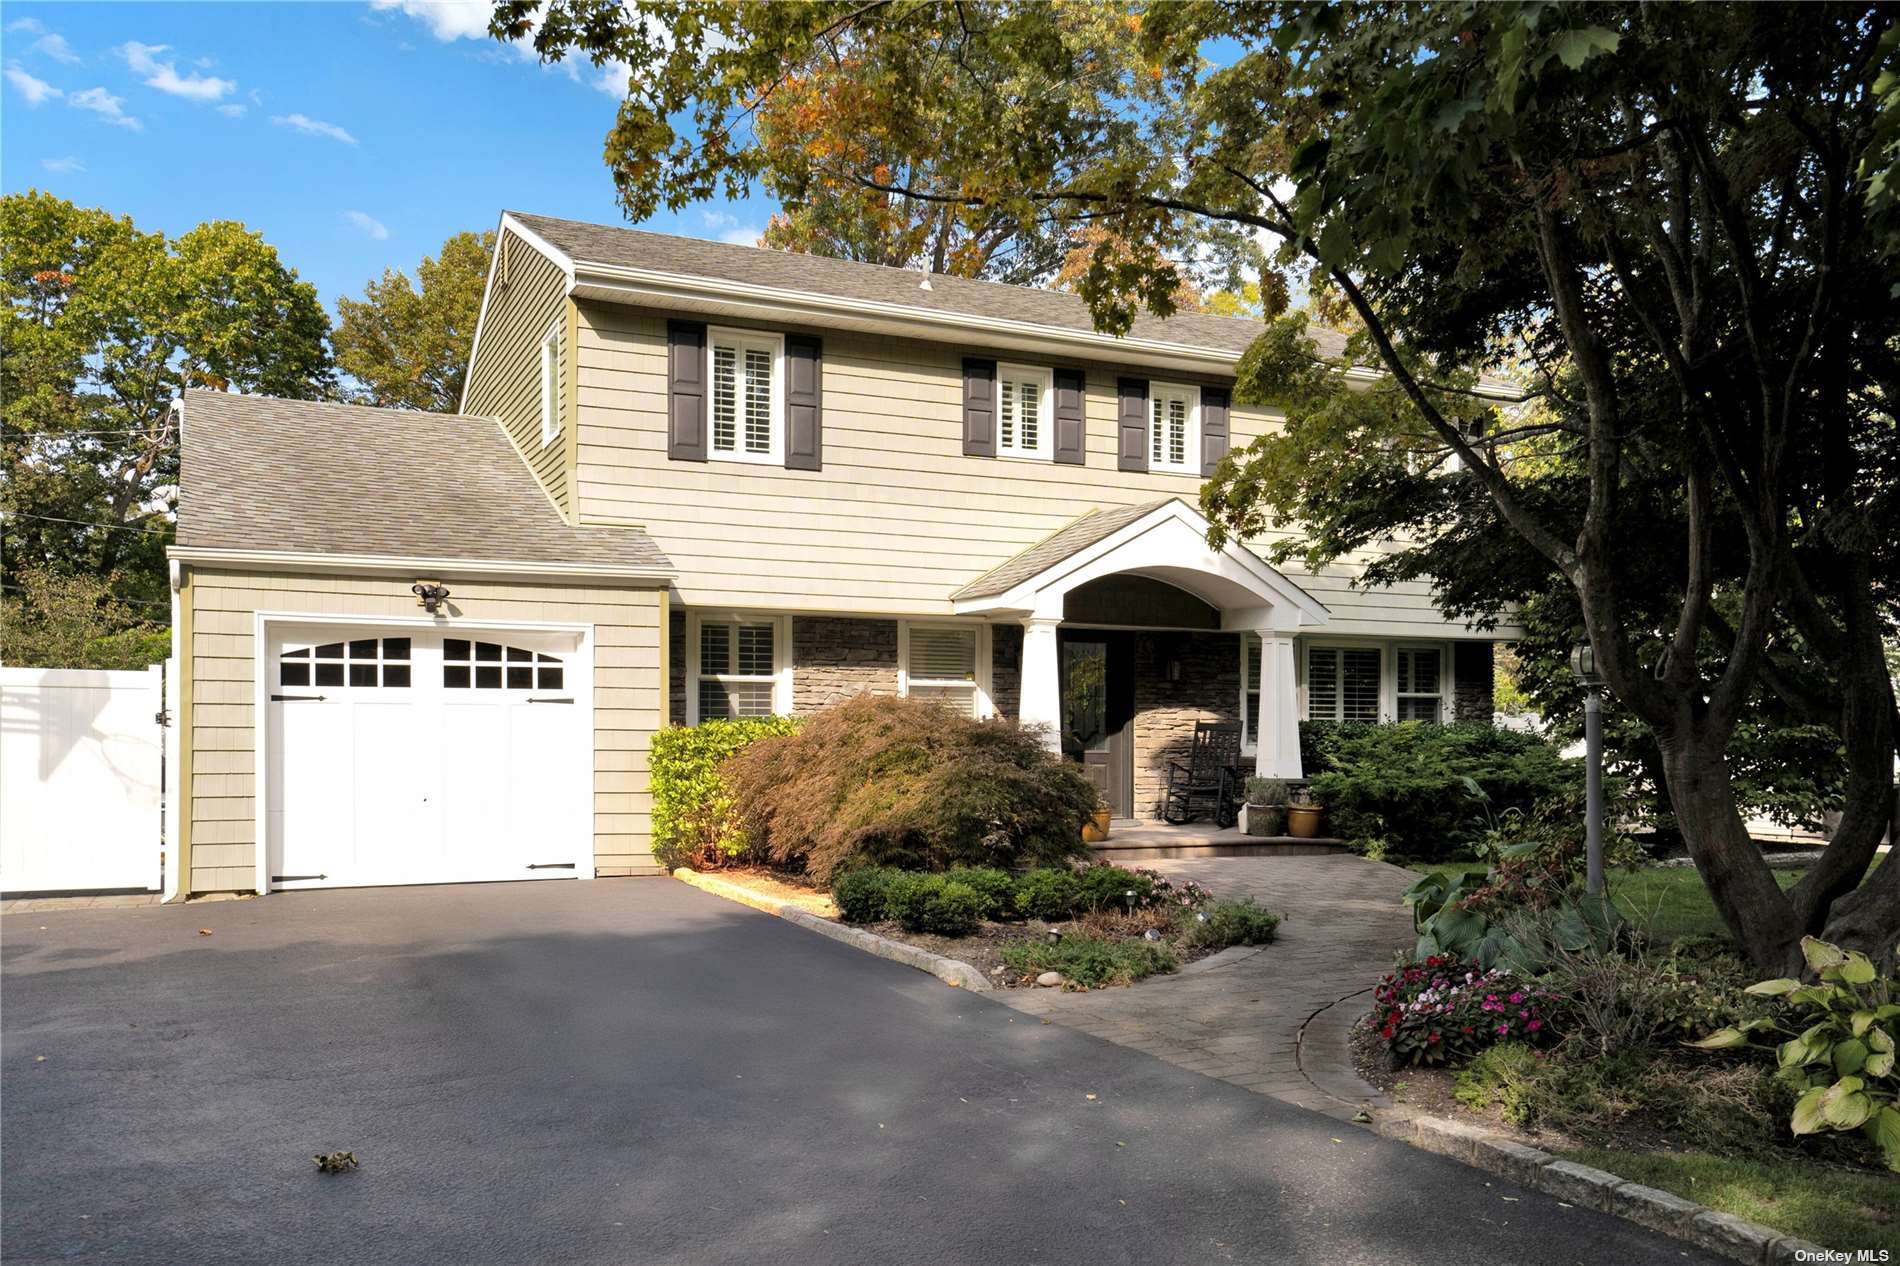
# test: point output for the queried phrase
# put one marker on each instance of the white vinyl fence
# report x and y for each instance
(81, 762)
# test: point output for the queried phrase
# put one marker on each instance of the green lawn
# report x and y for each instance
(1835, 1208)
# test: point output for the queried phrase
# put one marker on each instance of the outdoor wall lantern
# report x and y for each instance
(430, 595)
(1583, 662)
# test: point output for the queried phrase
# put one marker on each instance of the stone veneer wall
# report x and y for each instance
(1165, 711)
(1006, 669)
(834, 659)
(1472, 682)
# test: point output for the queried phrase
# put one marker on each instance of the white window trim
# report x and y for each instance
(1191, 463)
(781, 658)
(985, 703)
(1045, 379)
(1249, 741)
(1388, 672)
(551, 385)
(743, 339)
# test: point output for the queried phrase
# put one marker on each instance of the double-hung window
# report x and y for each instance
(551, 385)
(1024, 399)
(941, 663)
(1174, 428)
(1420, 694)
(1250, 689)
(1343, 683)
(746, 378)
(739, 667)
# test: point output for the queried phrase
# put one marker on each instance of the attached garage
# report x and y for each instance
(400, 754)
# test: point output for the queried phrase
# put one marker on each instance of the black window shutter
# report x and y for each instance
(979, 407)
(1071, 429)
(686, 391)
(1131, 399)
(804, 403)
(1216, 426)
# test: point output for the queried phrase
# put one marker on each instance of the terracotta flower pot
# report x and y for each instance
(1302, 820)
(1095, 830)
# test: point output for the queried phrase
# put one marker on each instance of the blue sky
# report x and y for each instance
(355, 137)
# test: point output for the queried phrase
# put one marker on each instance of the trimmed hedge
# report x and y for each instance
(1405, 784)
(693, 819)
(867, 894)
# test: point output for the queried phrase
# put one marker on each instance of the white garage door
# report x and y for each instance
(412, 756)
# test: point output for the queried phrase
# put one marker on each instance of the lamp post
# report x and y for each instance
(1583, 661)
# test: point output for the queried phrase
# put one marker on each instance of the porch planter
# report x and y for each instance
(1302, 820)
(1266, 819)
(1095, 830)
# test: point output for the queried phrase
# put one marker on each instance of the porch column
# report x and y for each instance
(1041, 699)
(1277, 746)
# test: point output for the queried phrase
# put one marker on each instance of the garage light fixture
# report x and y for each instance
(429, 595)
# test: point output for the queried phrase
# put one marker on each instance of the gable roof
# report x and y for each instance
(1074, 537)
(268, 476)
(600, 251)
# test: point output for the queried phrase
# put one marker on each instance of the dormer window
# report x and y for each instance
(1023, 406)
(1174, 428)
(747, 392)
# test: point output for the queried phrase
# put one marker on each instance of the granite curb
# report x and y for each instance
(949, 970)
(1722, 1233)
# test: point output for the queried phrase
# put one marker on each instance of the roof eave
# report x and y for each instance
(387, 564)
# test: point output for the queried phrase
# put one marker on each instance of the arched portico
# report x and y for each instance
(1164, 541)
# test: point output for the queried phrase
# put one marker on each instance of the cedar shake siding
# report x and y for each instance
(899, 514)
(223, 733)
(527, 299)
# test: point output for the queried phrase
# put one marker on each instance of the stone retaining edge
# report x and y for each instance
(949, 970)
(1723, 1233)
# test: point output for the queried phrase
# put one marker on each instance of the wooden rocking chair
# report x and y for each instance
(1200, 784)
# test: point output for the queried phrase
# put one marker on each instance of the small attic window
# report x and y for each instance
(551, 385)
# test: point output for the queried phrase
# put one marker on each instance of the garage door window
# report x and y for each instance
(372, 662)
(470, 665)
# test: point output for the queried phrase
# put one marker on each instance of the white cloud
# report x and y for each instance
(164, 76)
(109, 108)
(51, 43)
(231, 110)
(446, 19)
(371, 226)
(714, 218)
(742, 237)
(313, 127)
(34, 90)
(63, 166)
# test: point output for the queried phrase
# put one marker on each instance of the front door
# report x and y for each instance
(1098, 713)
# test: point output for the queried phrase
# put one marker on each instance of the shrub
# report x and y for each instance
(1106, 887)
(1090, 961)
(1050, 894)
(1444, 1011)
(693, 819)
(996, 887)
(863, 893)
(934, 903)
(1225, 923)
(1505, 1075)
(1408, 783)
(908, 782)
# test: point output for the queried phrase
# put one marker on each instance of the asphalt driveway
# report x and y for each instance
(632, 1071)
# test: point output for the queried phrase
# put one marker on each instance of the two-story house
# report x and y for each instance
(694, 480)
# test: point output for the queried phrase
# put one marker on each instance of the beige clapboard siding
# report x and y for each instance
(627, 699)
(899, 518)
(505, 379)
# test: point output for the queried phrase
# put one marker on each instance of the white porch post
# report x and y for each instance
(1041, 700)
(1277, 746)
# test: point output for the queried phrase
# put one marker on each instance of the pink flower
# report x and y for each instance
(1534, 1025)
(1504, 1028)
(1517, 997)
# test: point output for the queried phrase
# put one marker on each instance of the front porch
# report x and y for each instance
(1134, 840)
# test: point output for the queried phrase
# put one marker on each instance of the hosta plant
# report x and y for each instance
(1834, 1042)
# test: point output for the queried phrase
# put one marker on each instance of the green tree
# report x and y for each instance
(407, 345)
(1661, 212)
(102, 324)
(49, 620)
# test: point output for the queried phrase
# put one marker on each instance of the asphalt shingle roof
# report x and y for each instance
(1076, 536)
(296, 475)
(877, 283)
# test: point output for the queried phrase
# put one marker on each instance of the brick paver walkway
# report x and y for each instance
(1239, 1018)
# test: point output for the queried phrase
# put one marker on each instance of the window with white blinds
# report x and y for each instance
(1173, 423)
(1342, 683)
(940, 663)
(1420, 690)
(745, 395)
(738, 668)
(1023, 401)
